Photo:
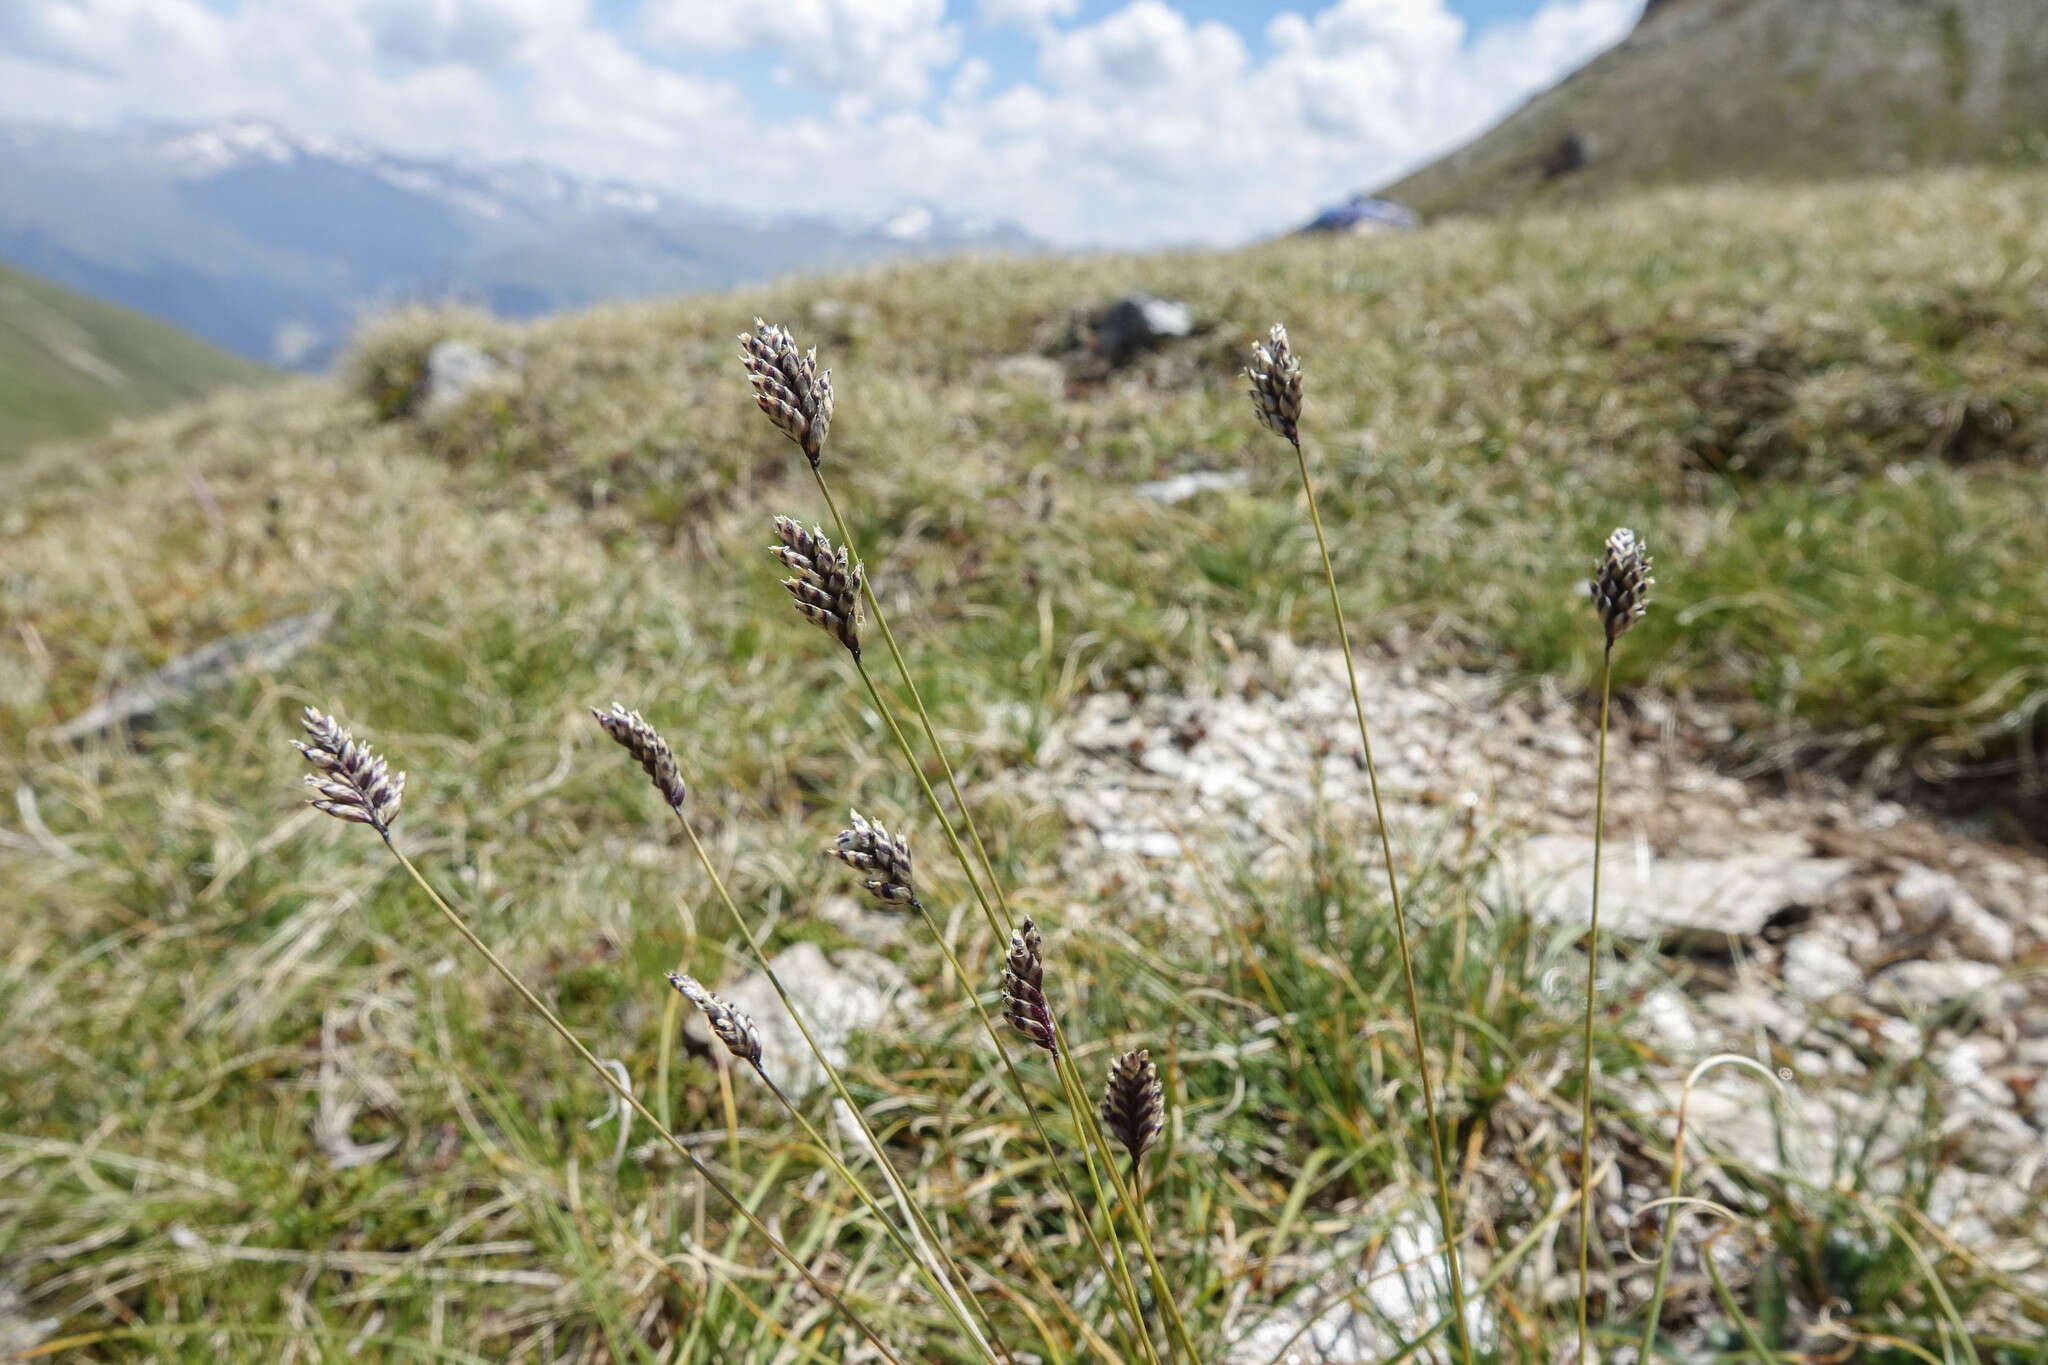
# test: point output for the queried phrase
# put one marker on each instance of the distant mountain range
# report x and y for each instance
(273, 244)
(1772, 89)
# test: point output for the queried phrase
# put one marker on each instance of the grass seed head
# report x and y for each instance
(351, 782)
(1024, 1003)
(1133, 1104)
(1275, 377)
(789, 386)
(826, 585)
(1621, 591)
(732, 1027)
(639, 739)
(867, 847)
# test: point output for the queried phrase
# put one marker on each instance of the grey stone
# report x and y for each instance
(1403, 1290)
(1932, 985)
(1138, 321)
(456, 370)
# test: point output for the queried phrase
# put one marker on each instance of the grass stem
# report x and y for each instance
(1592, 994)
(632, 1101)
(1438, 1161)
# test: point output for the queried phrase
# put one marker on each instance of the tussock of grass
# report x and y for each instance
(197, 966)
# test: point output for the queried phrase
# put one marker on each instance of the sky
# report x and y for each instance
(1086, 122)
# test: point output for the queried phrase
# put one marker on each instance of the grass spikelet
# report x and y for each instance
(826, 583)
(728, 1021)
(1133, 1103)
(868, 847)
(352, 783)
(1024, 1003)
(1622, 589)
(639, 739)
(789, 387)
(1275, 377)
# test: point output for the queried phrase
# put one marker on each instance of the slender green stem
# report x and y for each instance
(1070, 1087)
(888, 715)
(1081, 1113)
(1379, 814)
(626, 1096)
(1169, 1307)
(941, 1284)
(910, 685)
(923, 1258)
(1592, 991)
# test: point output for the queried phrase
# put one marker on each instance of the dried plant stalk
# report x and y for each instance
(352, 783)
(1620, 596)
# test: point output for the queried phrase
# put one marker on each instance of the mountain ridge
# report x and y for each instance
(272, 243)
(69, 362)
(1779, 90)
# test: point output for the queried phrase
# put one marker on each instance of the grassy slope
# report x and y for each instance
(1823, 408)
(1782, 90)
(69, 364)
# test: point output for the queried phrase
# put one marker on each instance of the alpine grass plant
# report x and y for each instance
(1276, 393)
(351, 784)
(1620, 598)
(1140, 1315)
(797, 398)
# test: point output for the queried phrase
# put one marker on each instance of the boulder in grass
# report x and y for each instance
(1136, 323)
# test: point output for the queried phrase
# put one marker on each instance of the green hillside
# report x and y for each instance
(261, 1095)
(1782, 90)
(70, 364)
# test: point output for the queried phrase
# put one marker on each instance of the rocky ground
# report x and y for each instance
(1827, 935)
(1855, 952)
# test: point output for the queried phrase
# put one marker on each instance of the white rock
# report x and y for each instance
(1403, 1288)
(1931, 985)
(455, 370)
(858, 994)
(1181, 487)
(1815, 967)
(1978, 933)
(20, 1334)
(1644, 896)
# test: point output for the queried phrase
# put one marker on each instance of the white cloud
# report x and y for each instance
(880, 50)
(1140, 127)
(1032, 14)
